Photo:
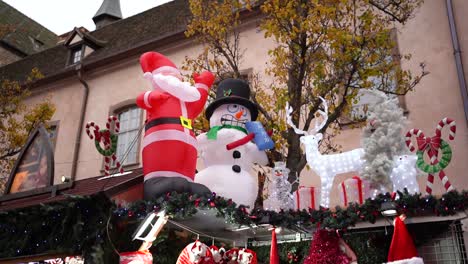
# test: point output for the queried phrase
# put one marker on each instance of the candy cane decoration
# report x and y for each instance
(446, 122)
(432, 145)
(413, 132)
(108, 140)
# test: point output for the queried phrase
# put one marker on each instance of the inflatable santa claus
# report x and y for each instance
(169, 144)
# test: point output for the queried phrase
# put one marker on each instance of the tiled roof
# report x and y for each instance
(120, 37)
(22, 33)
(89, 186)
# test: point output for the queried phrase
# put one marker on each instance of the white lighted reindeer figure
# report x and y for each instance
(325, 166)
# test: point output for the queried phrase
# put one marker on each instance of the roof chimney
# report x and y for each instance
(107, 13)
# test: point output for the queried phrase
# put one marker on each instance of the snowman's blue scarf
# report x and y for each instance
(213, 132)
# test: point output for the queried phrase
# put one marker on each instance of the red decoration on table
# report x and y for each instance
(325, 248)
(142, 257)
(274, 255)
(196, 253)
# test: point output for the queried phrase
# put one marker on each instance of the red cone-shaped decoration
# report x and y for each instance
(325, 249)
(402, 247)
(274, 257)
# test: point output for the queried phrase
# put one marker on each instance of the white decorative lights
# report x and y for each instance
(404, 173)
(326, 166)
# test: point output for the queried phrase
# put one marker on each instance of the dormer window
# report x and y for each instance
(76, 55)
(81, 44)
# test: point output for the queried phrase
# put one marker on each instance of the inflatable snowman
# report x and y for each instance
(228, 172)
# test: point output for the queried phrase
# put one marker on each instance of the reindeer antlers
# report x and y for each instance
(323, 114)
(289, 111)
(317, 127)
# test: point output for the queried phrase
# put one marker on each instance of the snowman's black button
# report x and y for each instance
(236, 168)
(236, 154)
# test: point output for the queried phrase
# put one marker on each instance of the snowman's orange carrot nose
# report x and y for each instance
(239, 114)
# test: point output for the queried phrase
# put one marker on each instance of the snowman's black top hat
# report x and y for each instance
(233, 91)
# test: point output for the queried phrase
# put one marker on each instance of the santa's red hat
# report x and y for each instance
(154, 62)
(402, 249)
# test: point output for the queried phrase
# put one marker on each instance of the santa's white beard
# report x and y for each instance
(414, 260)
(184, 91)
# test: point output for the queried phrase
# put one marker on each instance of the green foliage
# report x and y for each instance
(369, 246)
(17, 120)
(180, 206)
(73, 226)
(300, 248)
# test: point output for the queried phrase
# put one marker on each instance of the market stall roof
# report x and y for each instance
(110, 186)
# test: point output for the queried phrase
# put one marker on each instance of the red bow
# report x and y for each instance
(431, 142)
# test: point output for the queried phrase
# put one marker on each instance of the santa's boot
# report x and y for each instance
(159, 186)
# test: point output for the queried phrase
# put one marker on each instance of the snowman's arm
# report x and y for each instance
(184, 91)
(240, 142)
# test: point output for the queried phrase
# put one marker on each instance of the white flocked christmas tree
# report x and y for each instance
(382, 141)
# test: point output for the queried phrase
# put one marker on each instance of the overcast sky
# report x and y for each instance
(61, 16)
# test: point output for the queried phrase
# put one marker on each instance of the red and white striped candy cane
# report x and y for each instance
(118, 165)
(419, 134)
(413, 132)
(116, 123)
(434, 153)
(90, 125)
(116, 127)
(107, 163)
(446, 122)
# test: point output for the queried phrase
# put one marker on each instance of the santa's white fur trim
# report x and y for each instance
(414, 260)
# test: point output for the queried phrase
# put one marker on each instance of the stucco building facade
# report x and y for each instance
(106, 78)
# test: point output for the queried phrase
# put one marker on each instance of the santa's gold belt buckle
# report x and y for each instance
(187, 123)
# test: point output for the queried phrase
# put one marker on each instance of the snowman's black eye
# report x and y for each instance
(233, 108)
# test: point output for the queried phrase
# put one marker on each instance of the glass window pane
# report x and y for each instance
(129, 127)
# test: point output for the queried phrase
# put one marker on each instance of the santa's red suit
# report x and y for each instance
(169, 144)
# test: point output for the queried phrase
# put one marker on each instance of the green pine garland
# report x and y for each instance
(78, 225)
(180, 206)
(73, 226)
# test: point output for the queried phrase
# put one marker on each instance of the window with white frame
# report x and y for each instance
(127, 143)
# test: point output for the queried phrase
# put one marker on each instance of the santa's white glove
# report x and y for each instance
(184, 91)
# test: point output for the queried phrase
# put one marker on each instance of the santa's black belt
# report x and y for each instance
(185, 122)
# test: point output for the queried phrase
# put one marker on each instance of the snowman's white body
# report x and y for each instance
(218, 174)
